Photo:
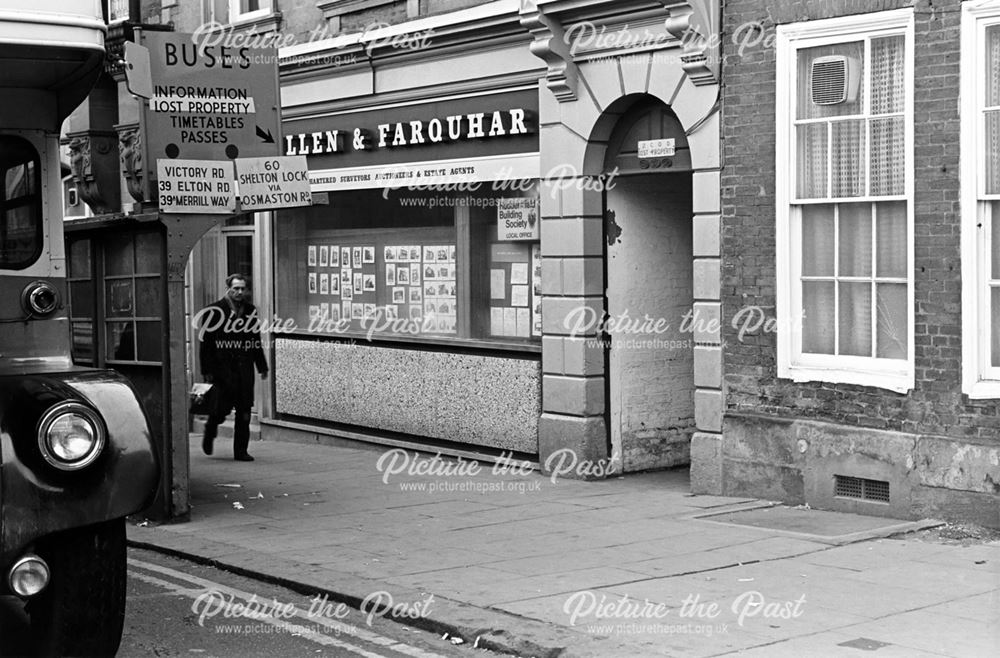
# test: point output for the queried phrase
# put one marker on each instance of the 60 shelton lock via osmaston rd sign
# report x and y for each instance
(273, 182)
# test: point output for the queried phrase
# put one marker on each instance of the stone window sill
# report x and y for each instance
(337, 8)
(258, 24)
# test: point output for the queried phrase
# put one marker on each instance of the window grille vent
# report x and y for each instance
(835, 80)
(876, 491)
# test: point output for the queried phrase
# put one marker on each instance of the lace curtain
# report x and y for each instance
(853, 157)
(992, 117)
(854, 255)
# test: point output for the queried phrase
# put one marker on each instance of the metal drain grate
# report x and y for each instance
(846, 486)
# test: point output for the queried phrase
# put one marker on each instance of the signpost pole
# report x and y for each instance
(211, 134)
(183, 231)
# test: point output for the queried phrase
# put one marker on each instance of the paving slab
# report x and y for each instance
(836, 644)
(745, 552)
(979, 607)
(802, 521)
(510, 568)
(920, 630)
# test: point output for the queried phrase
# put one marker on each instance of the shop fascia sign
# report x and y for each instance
(453, 128)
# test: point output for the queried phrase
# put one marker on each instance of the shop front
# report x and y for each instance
(518, 250)
(415, 290)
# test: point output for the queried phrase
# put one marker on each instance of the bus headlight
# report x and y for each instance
(70, 436)
(28, 576)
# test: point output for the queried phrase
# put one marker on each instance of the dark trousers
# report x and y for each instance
(235, 385)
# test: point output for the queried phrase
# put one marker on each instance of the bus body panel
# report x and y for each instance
(37, 499)
(55, 47)
(69, 516)
(26, 341)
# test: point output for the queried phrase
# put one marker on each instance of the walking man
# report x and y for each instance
(230, 349)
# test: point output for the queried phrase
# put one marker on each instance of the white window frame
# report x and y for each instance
(266, 9)
(980, 380)
(893, 374)
(115, 20)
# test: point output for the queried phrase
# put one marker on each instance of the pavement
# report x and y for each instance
(509, 559)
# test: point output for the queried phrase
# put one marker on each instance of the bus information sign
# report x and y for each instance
(281, 182)
(210, 102)
(196, 186)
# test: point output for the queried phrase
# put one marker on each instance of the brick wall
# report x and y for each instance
(302, 19)
(792, 11)
(936, 405)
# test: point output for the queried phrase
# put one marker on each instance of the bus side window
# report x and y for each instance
(20, 204)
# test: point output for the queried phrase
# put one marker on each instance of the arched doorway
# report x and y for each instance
(649, 281)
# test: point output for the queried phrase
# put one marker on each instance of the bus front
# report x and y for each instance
(76, 454)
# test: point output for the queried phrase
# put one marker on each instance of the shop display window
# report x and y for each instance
(508, 271)
(422, 265)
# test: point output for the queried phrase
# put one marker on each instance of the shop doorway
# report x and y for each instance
(226, 249)
(237, 253)
(649, 260)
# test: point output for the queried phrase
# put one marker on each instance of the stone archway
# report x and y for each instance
(648, 274)
(575, 133)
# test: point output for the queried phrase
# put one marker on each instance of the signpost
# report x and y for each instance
(209, 112)
(211, 107)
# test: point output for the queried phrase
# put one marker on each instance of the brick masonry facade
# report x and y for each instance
(936, 406)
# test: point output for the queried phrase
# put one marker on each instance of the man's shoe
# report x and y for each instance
(243, 458)
(206, 445)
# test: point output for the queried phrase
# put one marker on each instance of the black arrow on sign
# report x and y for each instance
(265, 135)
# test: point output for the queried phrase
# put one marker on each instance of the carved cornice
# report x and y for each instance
(550, 46)
(696, 23)
(130, 154)
(88, 154)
